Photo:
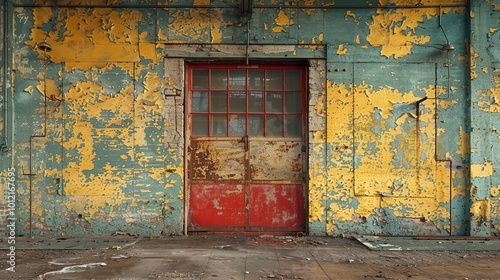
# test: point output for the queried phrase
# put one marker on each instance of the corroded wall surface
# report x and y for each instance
(402, 135)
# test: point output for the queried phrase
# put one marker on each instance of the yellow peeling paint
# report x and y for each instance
(473, 56)
(29, 89)
(495, 191)
(281, 21)
(318, 137)
(103, 35)
(481, 209)
(216, 35)
(148, 50)
(148, 106)
(201, 2)
(367, 205)
(446, 104)
(481, 170)
(162, 37)
(340, 176)
(377, 173)
(350, 14)
(490, 100)
(319, 107)
(316, 208)
(195, 23)
(394, 31)
(49, 89)
(463, 144)
(278, 29)
(339, 110)
(341, 50)
(338, 212)
(413, 207)
(103, 185)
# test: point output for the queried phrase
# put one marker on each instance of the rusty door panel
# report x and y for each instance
(217, 205)
(275, 160)
(276, 206)
(218, 160)
(252, 186)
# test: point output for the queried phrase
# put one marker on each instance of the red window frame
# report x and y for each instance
(209, 113)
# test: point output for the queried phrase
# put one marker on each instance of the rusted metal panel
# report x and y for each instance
(215, 205)
(276, 206)
(223, 193)
(217, 160)
(276, 160)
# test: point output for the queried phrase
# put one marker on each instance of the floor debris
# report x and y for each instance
(75, 268)
(389, 243)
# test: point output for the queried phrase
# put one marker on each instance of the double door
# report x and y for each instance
(246, 153)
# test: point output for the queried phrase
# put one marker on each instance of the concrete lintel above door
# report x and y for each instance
(223, 51)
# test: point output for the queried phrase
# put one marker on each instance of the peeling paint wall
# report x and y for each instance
(402, 135)
(484, 63)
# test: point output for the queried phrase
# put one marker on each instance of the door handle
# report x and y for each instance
(244, 140)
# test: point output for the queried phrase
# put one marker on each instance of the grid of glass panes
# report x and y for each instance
(256, 101)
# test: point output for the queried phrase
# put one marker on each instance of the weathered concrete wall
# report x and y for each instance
(390, 115)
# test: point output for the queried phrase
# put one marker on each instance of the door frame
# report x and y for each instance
(248, 229)
(177, 55)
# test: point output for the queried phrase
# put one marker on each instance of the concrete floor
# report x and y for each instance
(240, 257)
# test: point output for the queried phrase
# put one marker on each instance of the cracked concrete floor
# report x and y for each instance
(240, 257)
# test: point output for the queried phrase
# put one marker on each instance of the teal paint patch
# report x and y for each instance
(384, 222)
(460, 215)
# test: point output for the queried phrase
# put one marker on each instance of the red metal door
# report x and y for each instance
(245, 162)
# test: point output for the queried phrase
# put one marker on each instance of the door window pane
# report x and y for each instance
(256, 102)
(237, 79)
(274, 125)
(256, 79)
(218, 102)
(237, 101)
(261, 100)
(200, 101)
(200, 125)
(274, 80)
(293, 102)
(200, 79)
(218, 79)
(256, 125)
(293, 126)
(237, 125)
(218, 125)
(293, 80)
(274, 102)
